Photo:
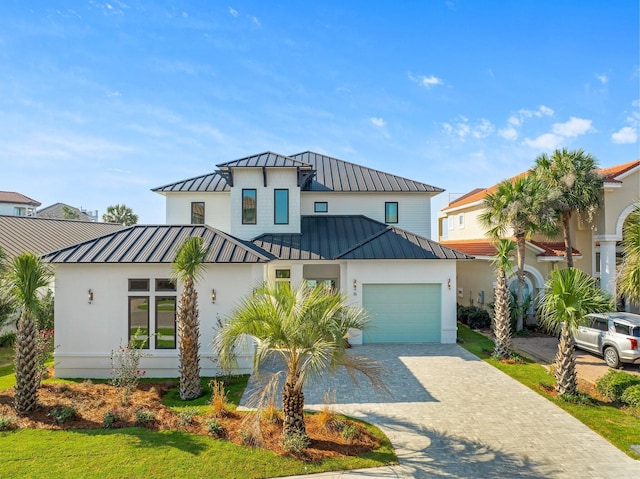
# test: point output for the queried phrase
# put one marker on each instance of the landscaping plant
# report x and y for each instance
(125, 371)
(501, 308)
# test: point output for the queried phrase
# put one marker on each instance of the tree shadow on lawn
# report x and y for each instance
(427, 453)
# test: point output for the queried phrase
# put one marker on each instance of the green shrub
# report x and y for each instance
(7, 340)
(144, 417)
(295, 443)
(474, 317)
(631, 396)
(6, 423)
(186, 416)
(110, 418)
(350, 432)
(214, 426)
(613, 384)
(579, 398)
(62, 414)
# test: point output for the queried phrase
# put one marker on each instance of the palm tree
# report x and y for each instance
(25, 276)
(120, 214)
(573, 184)
(629, 272)
(517, 206)
(570, 294)
(187, 268)
(501, 309)
(307, 328)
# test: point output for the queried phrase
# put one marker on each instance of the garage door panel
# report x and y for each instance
(402, 313)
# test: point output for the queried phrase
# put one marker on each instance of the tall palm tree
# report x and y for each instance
(501, 309)
(187, 268)
(307, 328)
(570, 294)
(25, 276)
(517, 207)
(629, 272)
(573, 184)
(121, 214)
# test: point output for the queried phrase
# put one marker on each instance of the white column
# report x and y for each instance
(608, 266)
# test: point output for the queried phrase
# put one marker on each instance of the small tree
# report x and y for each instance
(26, 275)
(570, 294)
(120, 214)
(502, 310)
(69, 213)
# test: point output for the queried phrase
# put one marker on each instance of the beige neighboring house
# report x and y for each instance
(17, 204)
(596, 245)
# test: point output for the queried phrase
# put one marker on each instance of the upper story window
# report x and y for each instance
(391, 212)
(320, 207)
(138, 285)
(281, 207)
(197, 213)
(449, 222)
(249, 207)
(461, 220)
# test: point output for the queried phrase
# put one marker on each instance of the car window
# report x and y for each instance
(600, 324)
(635, 332)
(621, 328)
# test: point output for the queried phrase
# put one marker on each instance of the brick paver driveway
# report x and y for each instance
(451, 415)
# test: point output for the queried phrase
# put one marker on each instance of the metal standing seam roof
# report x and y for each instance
(267, 159)
(331, 174)
(352, 237)
(159, 244)
(40, 235)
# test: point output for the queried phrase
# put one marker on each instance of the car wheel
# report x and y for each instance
(611, 357)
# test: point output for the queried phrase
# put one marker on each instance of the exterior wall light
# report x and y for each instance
(213, 296)
(90, 296)
(355, 286)
(449, 283)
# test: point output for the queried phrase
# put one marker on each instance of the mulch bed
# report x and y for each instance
(93, 402)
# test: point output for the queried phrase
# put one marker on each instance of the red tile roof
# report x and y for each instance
(12, 197)
(487, 248)
(610, 176)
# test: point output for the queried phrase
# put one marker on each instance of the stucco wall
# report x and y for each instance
(85, 334)
(217, 209)
(414, 209)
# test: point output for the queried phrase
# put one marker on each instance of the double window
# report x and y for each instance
(249, 206)
(197, 213)
(391, 212)
(163, 301)
(281, 207)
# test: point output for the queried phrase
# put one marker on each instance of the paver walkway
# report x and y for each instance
(452, 415)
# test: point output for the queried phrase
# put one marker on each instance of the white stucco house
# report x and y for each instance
(268, 217)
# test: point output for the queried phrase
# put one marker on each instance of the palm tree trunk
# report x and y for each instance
(293, 407)
(566, 380)
(27, 375)
(189, 332)
(566, 218)
(502, 318)
(520, 239)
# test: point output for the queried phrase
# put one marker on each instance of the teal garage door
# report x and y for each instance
(402, 313)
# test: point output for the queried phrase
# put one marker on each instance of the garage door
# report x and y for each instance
(402, 313)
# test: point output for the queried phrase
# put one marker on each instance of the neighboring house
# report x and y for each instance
(268, 217)
(58, 210)
(16, 204)
(596, 245)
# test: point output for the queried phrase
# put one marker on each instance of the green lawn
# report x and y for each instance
(139, 452)
(618, 427)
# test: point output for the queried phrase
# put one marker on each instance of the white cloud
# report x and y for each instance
(514, 120)
(483, 129)
(185, 15)
(379, 122)
(508, 133)
(425, 81)
(625, 135)
(205, 129)
(539, 113)
(233, 12)
(546, 142)
(256, 21)
(463, 128)
(603, 78)
(573, 127)
(114, 94)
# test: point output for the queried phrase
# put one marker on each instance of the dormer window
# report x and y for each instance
(391, 212)
(281, 207)
(249, 207)
(197, 213)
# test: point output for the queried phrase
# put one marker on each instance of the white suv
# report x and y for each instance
(614, 336)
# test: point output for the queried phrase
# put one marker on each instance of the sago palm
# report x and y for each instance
(187, 268)
(573, 184)
(25, 275)
(629, 272)
(308, 329)
(518, 207)
(501, 309)
(570, 294)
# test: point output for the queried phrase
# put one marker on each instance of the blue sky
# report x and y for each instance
(103, 100)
